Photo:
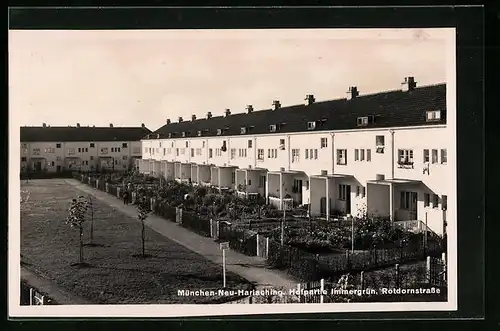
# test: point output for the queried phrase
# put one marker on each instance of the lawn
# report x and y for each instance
(115, 274)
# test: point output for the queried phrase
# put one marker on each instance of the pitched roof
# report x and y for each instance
(390, 109)
(73, 133)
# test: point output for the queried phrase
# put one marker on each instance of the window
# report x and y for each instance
(272, 128)
(243, 130)
(164, 151)
(249, 182)
(427, 199)
(341, 156)
(356, 155)
(23, 159)
(295, 155)
(433, 115)
(233, 153)
(380, 141)
(86, 150)
(426, 155)
(368, 155)
(187, 144)
(315, 154)
(262, 181)
(434, 156)
(260, 154)
(363, 191)
(50, 150)
(104, 150)
(124, 157)
(324, 142)
(125, 145)
(233, 177)
(183, 134)
(91, 157)
(199, 133)
(282, 144)
(362, 121)
(218, 152)
(177, 151)
(219, 132)
(203, 144)
(311, 125)
(59, 145)
(210, 153)
(405, 200)
(307, 154)
(435, 201)
(342, 192)
(444, 202)
(268, 153)
(444, 156)
(358, 190)
(405, 157)
(192, 152)
(249, 143)
(79, 150)
(307, 185)
(52, 163)
(362, 156)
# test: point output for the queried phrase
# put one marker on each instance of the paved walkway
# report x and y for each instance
(251, 268)
(55, 293)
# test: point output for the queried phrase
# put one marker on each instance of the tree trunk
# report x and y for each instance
(143, 238)
(81, 245)
(91, 224)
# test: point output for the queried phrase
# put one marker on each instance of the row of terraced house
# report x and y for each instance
(54, 149)
(383, 154)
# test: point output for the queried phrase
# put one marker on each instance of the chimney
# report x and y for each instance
(228, 112)
(409, 84)
(209, 115)
(77, 125)
(352, 93)
(249, 109)
(143, 125)
(180, 119)
(44, 125)
(310, 99)
(193, 117)
(276, 104)
(168, 121)
(110, 125)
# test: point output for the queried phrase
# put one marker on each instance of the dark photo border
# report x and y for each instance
(470, 115)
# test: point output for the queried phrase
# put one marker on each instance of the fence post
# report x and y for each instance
(428, 269)
(362, 280)
(298, 291)
(211, 228)
(445, 267)
(31, 296)
(257, 236)
(322, 286)
(118, 192)
(267, 247)
(97, 183)
(348, 267)
(397, 275)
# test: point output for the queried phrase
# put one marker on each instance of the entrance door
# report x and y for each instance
(413, 206)
(38, 166)
(298, 185)
(348, 199)
(322, 205)
(58, 168)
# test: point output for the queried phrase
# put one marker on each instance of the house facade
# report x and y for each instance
(383, 154)
(57, 149)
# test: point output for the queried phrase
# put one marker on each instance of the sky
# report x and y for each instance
(130, 77)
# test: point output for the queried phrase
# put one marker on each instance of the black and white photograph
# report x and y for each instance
(229, 172)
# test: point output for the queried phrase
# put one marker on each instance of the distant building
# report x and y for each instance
(57, 149)
(385, 154)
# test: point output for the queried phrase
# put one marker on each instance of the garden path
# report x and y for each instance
(252, 268)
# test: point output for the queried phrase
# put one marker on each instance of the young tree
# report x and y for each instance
(143, 213)
(76, 218)
(90, 206)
